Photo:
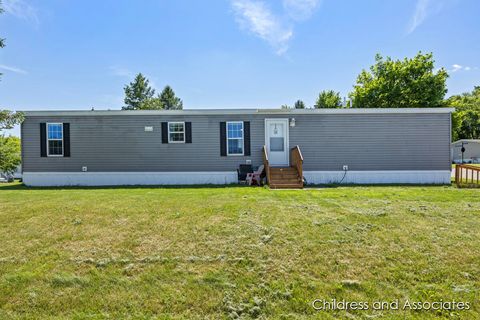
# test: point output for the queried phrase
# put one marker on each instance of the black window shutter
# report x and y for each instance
(246, 137)
(43, 139)
(223, 139)
(188, 132)
(66, 139)
(164, 132)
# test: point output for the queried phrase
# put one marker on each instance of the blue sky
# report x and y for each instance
(222, 53)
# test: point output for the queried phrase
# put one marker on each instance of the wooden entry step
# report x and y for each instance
(286, 177)
(284, 174)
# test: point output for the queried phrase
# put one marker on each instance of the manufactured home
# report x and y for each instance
(175, 147)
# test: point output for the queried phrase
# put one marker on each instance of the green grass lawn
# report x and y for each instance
(196, 253)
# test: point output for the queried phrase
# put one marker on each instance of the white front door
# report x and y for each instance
(276, 140)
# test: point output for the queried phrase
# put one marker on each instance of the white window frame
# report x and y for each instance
(48, 145)
(184, 131)
(243, 138)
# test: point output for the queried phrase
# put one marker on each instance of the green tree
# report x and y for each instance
(10, 154)
(8, 119)
(137, 92)
(466, 118)
(169, 100)
(408, 83)
(328, 99)
(285, 106)
(299, 104)
(152, 104)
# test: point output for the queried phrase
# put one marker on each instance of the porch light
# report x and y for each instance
(292, 122)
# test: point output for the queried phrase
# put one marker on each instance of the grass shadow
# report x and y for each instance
(23, 187)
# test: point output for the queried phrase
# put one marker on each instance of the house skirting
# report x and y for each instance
(54, 179)
(379, 177)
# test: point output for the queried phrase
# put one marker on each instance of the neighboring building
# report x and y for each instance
(366, 146)
(471, 154)
(17, 174)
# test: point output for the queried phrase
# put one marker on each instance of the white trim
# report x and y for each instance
(379, 177)
(184, 131)
(54, 179)
(267, 143)
(48, 145)
(243, 139)
(188, 112)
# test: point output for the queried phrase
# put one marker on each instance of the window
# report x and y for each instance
(277, 136)
(55, 139)
(235, 138)
(176, 132)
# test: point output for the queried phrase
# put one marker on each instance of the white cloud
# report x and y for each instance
(120, 71)
(256, 17)
(300, 9)
(22, 10)
(421, 11)
(425, 9)
(457, 67)
(12, 69)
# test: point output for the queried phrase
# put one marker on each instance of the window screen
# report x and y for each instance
(235, 138)
(55, 139)
(176, 132)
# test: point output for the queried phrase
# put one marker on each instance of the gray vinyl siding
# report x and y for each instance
(120, 143)
(374, 141)
(328, 141)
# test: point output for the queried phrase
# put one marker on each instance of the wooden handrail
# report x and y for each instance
(299, 152)
(266, 163)
(469, 166)
(297, 160)
(468, 180)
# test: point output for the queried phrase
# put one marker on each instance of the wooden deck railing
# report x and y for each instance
(266, 164)
(467, 175)
(297, 160)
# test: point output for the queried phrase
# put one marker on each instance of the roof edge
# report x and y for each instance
(34, 113)
(467, 140)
